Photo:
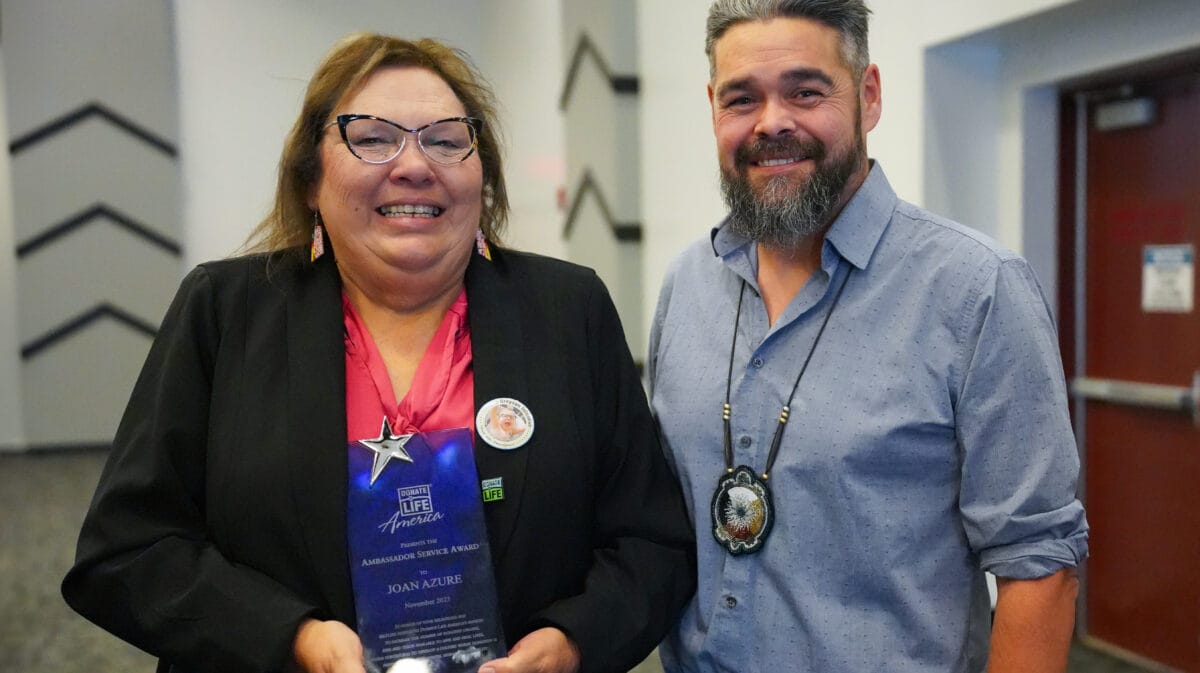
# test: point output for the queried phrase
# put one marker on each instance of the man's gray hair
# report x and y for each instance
(847, 17)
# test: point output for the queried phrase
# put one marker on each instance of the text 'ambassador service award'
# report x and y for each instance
(422, 571)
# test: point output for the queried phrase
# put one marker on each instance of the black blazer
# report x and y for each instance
(219, 521)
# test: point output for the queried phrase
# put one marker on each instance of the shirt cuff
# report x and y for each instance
(1032, 560)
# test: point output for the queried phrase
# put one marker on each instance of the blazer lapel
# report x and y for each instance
(316, 393)
(495, 316)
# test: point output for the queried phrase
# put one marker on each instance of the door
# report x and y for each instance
(1137, 354)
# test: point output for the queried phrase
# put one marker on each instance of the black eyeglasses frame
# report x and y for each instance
(475, 123)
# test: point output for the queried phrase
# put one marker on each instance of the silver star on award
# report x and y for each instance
(386, 447)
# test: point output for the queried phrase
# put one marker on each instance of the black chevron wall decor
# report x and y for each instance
(94, 164)
(586, 51)
(96, 213)
(81, 322)
(623, 231)
(599, 102)
(67, 121)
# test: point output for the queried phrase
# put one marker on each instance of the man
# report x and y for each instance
(895, 417)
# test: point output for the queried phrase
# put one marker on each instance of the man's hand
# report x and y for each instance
(546, 650)
(327, 647)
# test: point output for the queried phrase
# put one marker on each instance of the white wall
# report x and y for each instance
(521, 55)
(12, 433)
(238, 57)
(969, 109)
(981, 155)
(243, 67)
(1032, 57)
(681, 198)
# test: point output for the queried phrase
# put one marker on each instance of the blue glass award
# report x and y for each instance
(424, 590)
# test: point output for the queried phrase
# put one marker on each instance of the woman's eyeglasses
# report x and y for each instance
(376, 140)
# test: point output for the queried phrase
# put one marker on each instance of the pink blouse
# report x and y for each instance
(442, 395)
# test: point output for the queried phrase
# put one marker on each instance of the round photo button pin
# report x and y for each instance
(504, 423)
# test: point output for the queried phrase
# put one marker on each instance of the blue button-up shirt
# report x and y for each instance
(928, 441)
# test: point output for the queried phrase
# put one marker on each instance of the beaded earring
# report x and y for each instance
(318, 238)
(481, 245)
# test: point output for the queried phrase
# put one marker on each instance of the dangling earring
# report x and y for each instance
(318, 238)
(481, 245)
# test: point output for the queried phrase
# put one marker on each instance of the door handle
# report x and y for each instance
(1146, 395)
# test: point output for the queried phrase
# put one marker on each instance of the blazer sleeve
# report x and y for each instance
(145, 567)
(644, 561)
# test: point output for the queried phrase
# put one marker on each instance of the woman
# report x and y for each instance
(217, 536)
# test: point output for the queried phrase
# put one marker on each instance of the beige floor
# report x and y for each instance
(42, 501)
(650, 665)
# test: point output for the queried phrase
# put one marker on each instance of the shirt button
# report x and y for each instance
(744, 441)
(730, 602)
(757, 362)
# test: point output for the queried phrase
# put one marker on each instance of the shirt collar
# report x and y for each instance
(854, 235)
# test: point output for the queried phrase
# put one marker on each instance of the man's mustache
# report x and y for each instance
(758, 149)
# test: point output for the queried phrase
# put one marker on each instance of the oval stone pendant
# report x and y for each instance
(742, 512)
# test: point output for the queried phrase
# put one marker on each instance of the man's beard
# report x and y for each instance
(778, 214)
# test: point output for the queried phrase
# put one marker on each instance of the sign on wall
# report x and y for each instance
(1168, 278)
